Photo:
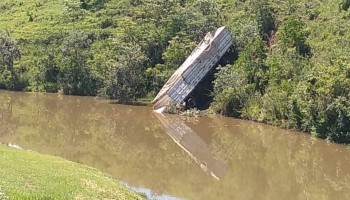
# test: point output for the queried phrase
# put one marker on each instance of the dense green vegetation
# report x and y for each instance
(30, 175)
(292, 68)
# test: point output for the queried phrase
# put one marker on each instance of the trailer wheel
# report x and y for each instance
(191, 103)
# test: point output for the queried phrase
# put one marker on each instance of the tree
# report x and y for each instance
(123, 71)
(264, 17)
(9, 52)
(291, 34)
(74, 71)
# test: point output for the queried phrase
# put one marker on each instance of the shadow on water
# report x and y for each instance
(173, 157)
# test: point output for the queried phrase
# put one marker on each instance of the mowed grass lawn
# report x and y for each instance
(30, 175)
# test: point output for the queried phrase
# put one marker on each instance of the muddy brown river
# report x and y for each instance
(171, 157)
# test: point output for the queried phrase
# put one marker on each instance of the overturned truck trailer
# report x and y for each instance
(203, 58)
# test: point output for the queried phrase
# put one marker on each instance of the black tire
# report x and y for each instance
(191, 103)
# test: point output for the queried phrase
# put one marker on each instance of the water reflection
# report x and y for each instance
(194, 145)
(253, 161)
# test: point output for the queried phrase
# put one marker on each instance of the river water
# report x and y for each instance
(172, 157)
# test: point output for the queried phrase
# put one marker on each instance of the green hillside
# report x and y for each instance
(289, 67)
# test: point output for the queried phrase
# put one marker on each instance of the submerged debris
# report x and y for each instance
(180, 109)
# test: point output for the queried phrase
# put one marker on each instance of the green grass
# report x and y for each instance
(17, 15)
(30, 175)
(48, 17)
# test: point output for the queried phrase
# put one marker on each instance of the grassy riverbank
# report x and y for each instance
(30, 175)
